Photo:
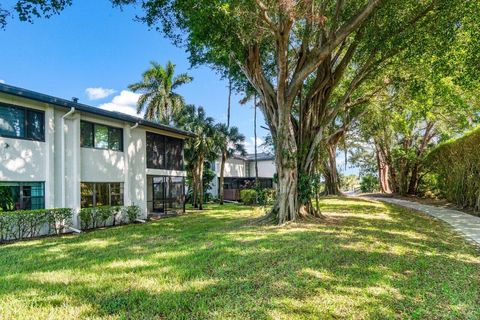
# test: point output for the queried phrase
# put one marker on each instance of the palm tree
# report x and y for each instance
(159, 100)
(204, 146)
(232, 141)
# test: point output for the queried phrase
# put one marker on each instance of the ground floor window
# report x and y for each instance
(101, 194)
(22, 196)
(167, 193)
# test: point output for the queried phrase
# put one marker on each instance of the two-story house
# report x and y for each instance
(60, 153)
(240, 173)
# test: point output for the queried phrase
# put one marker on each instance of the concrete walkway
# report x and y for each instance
(464, 223)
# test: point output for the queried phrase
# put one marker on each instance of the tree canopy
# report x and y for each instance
(337, 46)
(28, 10)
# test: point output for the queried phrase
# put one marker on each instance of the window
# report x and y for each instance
(86, 137)
(174, 153)
(101, 194)
(164, 152)
(100, 136)
(115, 137)
(21, 196)
(155, 151)
(18, 122)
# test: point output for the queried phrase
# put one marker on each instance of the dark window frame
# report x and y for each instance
(166, 154)
(110, 129)
(23, 198)
(94, 193)
(168, 201)
(25, 122)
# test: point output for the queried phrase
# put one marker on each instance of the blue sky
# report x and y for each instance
(92, 45)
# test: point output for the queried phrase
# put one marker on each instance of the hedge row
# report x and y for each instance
(262, 196)
(91, 218)
(16, 225)
(456, 165)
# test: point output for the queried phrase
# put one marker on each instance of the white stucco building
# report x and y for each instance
(240, 171)
(60, 153)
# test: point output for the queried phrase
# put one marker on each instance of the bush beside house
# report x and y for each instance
(23, 224)
(91, 218)
(261, 196)
(16, 225)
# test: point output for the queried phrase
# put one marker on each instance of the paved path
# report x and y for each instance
(462, 222)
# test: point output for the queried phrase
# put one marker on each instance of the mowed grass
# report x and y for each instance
(366, 260)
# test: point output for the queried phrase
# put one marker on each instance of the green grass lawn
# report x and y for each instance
(365, 260)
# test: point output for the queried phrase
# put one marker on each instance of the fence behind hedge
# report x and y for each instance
(457, 166)
(16, 225)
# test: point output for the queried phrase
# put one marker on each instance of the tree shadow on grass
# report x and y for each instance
(219, 266)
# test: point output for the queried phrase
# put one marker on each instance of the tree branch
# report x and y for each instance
(322, 52)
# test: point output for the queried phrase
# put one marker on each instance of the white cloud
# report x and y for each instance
(98, 93)
(2, 81)
(250, 145)
(125, 102)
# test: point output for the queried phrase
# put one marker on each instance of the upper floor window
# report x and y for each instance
(164, 152)
(99, 136)
(23, 123)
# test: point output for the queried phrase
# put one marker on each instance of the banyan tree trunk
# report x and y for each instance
(332, 179)
(383, 173)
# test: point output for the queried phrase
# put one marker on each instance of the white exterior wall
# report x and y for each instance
(22, 160)
(241, 168)
(37, 161)
(233, 168)
(266, 168)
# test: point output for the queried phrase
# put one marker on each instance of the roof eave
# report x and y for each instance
(40, 97)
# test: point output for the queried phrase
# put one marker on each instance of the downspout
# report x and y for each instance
(62, 161)
(127, 181)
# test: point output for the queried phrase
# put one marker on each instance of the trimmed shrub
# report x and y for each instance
(266, 196)
(132, 212)
(16, 225)
(248, 196)
(456, 165)
(91, 218)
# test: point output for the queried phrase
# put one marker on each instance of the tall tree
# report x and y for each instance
(425, 106)
(255, 142)
(232, 142)
(27, 10)
(158, 99)
(200, 149)
(278, 45)
(249, 95)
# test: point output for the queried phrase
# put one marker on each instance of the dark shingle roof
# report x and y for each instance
(32, 95)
